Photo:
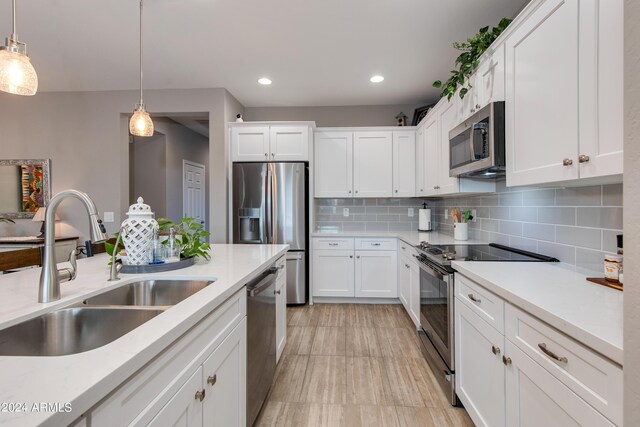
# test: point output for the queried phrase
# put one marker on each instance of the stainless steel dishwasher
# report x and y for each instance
(261, 340)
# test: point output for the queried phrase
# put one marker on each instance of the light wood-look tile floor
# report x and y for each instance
(355, 365)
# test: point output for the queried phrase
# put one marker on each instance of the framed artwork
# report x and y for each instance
(24, 187)
(420, 113)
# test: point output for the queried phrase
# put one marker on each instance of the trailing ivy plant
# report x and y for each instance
(192, 235)
(467, 61)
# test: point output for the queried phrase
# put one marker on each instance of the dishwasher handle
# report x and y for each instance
(262, 284)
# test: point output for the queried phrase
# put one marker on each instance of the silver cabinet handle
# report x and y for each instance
(542, 346)
(375, 244)
(356, 191)
(351, 256)
(407, 266)
(200, 395)
(567, 162)
(477, 106)
(506, 360)
(278, 292)
(421, 189)
(358, 256)
(349, 191)
(474, 299)
(266, 154)
(273, 155)
(333, 244)
(583, 159)
(212, 380)
(495, 350)
(403, 247)
(396, 191)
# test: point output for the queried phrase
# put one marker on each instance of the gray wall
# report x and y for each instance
(86, 136)
(576, 225)
(632, 206)
(368, 115)
(147, 172)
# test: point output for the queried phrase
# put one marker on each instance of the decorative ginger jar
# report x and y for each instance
(137, 232)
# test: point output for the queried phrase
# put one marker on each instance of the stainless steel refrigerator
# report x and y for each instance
(270, 207)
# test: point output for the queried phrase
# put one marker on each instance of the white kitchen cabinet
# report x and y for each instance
(404, 282)
(431, 155)
(420, 166)
(376, 274)
(333, 273)
(185, 407)
(266, 143)
(535, 397)
(250, 144)
(489, 81)
(414, 292)
(447, 120)
(333, 164)
(564, 105)
(404, 164)
(372, 164)
(289, 143)
(480, 373)
(281, 308)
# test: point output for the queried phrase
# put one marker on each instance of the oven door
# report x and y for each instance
(436, 309)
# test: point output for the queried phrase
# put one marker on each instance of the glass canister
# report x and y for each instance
(172, 247)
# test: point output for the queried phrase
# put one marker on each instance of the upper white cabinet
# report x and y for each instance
(404, 166)
(269, 142)
(447, 120)
(372, 164)
(564, 104)
(333, 164)
(377, 163)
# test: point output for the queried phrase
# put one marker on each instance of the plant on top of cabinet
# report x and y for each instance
(468, 60)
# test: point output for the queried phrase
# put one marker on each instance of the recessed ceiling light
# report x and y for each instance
(376, 79)
(264, 81)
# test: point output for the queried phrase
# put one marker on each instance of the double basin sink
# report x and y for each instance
(96, 321)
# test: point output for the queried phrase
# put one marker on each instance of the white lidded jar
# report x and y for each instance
(138, 232)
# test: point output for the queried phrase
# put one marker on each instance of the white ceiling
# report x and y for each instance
(317, 52)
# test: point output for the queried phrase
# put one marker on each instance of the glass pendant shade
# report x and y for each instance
(17, 75)
(140, 123)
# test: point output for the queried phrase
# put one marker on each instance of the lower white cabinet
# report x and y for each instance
(281, 308)
(409, 287)
(533, 376)
(333, 273)
(376, 274)
(183, 409)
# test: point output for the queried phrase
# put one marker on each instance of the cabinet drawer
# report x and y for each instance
(407, 250)
(485, 304)
(592, 377)
(377, 244)
(337, 243)
(152, 387)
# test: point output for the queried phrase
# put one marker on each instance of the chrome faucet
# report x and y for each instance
(50, 277)
(116, 266)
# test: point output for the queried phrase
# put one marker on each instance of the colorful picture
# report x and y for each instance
(32, 187)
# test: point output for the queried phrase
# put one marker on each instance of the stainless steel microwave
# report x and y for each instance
(476, 146)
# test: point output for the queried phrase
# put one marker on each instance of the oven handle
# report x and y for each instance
(431, 270)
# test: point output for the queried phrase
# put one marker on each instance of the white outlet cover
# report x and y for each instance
(446, 214)
(108, 217)
(410, 212)
(345, 212)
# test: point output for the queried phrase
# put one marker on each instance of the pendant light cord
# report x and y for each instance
(141, 102)
(14, 36)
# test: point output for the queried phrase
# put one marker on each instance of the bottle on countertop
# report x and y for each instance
(156, 254)
(172, 247)
(620, 254)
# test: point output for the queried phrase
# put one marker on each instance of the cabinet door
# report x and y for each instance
(542, 95)
(536, 398)
(404, 164)
(404, 282)
(333, 273)
(281, 312)
(420, 161)
(448, 119)
(184, 409)
(480, 372)
(250, 143)
(376, 274)
(372, 164)
(224, 376)
(431, 157)
(490, 79)
(414, 292)
(289, 143)
(333, 164)
(601, 127)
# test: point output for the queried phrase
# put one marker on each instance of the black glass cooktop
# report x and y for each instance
(490, 252)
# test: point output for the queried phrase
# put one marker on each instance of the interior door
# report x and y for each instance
(193, 191)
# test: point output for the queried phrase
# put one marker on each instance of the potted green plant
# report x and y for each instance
(192, 236)
(468, 60)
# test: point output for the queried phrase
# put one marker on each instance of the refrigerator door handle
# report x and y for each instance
(264, 232)
(269, 206)
(274, 204)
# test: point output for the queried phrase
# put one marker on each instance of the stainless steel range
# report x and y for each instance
(437, 300)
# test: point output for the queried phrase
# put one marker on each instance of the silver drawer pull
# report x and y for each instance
(506, 360)
(375, 244)
(474, 299)
(212, 379)
(200, 395)
(333, 244)
(495, 350)
(542, 346)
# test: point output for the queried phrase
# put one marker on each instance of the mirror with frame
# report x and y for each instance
(24, 187)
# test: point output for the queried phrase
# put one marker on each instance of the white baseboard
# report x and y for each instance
(344, 300)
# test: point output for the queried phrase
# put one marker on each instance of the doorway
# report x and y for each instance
(159, 165)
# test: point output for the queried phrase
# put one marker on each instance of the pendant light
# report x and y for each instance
(140, 123)
(17, 75)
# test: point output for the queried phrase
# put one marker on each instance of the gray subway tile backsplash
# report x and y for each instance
(576, 225)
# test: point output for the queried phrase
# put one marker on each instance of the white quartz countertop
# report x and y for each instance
(560, 295)
(413, 238)
(84, 379)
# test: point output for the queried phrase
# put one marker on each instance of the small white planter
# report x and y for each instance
(461, 231)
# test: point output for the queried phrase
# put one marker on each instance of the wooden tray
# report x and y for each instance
(157, 268)
(603, 282)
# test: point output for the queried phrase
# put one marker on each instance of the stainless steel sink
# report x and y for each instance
(149, 293)
(71, 330)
